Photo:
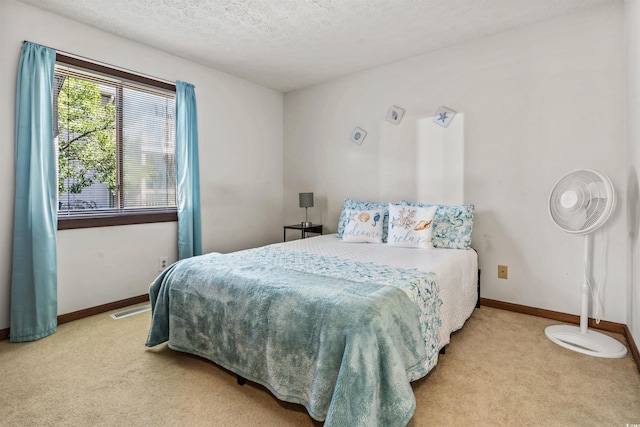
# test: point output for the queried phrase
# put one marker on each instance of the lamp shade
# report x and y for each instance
(306, 200)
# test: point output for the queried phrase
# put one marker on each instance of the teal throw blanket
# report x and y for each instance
(342, 338)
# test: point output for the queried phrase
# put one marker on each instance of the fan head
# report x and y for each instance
(581, 201)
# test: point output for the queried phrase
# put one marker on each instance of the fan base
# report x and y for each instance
(591, 343)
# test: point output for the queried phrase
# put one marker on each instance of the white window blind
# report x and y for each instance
(115, 142)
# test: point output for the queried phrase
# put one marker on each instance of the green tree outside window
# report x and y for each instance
(86, 132)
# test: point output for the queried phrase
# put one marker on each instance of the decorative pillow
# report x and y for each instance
(363, 226)
(350, 204)
(452, 225)
(410, 226)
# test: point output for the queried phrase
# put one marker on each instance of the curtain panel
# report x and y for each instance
(34, 303)
(188, 174)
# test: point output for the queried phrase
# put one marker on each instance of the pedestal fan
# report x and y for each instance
(580, 203)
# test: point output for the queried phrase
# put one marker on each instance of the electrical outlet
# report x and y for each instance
(503, 272)
(163, 262)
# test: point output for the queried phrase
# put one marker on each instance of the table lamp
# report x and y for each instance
(306, 202)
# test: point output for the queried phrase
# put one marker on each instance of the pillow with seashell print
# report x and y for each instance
(351, 204)
(452, 226)
(363, 226)
(410, 226)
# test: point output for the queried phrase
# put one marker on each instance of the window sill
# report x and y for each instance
(92, 221)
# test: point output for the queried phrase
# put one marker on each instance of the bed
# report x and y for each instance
(338, 326)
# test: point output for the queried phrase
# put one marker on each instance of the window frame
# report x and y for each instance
(115, 218)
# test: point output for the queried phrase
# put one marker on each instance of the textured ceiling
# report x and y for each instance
(289, 44)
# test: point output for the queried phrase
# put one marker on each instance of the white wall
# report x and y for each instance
(240, 129)
(632, 39)
(537, 101)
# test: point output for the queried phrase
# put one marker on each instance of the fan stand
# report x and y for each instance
(581, 339)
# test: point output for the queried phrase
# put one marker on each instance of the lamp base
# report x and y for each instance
(306, 224)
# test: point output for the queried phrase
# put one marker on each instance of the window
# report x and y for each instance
(115, 144)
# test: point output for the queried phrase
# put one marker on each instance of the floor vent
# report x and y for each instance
(131, 312)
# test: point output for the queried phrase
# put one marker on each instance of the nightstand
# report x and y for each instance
(315, 228)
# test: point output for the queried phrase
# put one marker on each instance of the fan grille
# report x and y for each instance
(581, 201)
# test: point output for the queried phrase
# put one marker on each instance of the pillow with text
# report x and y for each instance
(350, 204)
(364, 226)
(410, 226)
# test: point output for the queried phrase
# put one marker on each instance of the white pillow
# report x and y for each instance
(410, 226)
(363, 226)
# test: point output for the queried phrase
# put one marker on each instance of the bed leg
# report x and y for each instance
(241, 380)
(478, 301)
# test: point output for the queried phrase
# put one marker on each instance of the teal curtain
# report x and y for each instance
(189, 221)
(34, 301)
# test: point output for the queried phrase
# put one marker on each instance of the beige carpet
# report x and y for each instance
(500, 369)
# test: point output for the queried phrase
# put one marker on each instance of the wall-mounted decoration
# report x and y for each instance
(358, 135)
(395, 114)
(444, 116)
